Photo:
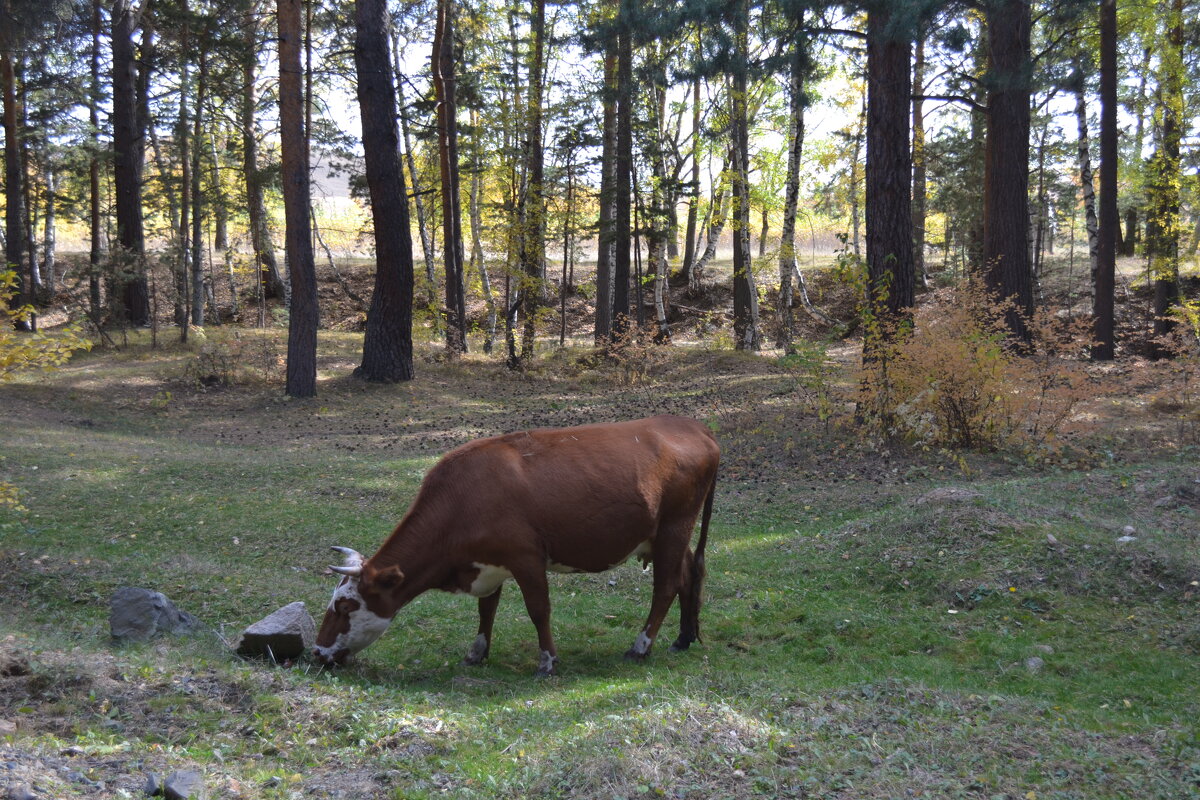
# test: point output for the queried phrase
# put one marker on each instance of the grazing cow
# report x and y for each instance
(565, 500)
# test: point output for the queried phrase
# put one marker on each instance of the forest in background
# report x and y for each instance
(529, 136)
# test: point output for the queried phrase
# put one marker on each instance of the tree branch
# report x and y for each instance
(954, 98)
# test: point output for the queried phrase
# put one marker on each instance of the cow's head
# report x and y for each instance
(362, 607)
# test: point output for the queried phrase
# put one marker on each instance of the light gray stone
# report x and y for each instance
(187, 784)
(20, 791)
(1034, 664)
(140, 614)
(285, 634)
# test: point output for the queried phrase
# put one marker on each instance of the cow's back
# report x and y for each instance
(587, 496)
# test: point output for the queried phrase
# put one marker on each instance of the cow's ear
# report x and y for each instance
(388, 577)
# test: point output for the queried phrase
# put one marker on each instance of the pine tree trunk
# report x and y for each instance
(1007, 269)
(302, 328)
(891, 281)
(1106, 240)
(95, 243)
(447, 128)
(855, 218)
(128, 156)
(14, 190)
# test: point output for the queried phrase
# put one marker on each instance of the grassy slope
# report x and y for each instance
(832, 664)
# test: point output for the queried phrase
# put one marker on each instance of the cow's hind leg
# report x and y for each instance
(670, 546)
(690, 591)
(536, 591)
(483, 641)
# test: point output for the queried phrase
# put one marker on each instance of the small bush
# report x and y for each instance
(240, 359)
(951, 378)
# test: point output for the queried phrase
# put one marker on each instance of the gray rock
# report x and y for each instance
(1044, 648)
(140, 614)
(1126, 539)
(286, 633)
(153, 785)
(186, 784)
(1034, 664)
(1051, 539)
(13, 663)
(20, 791)
(1129, 530)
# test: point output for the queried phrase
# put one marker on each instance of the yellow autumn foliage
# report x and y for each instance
(21, 351)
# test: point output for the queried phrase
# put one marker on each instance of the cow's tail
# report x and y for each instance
(698, 571)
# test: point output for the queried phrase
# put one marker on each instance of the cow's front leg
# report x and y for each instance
(478, 651)
(536, 591)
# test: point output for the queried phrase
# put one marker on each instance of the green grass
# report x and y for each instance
(855, 644)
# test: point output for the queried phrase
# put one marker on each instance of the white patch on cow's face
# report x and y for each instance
(488, 580)
(365, 626)
(642, 645)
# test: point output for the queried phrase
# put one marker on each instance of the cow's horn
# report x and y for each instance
(354, 562)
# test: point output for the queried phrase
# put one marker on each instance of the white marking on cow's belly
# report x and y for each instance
(488, 580)
(643, 552)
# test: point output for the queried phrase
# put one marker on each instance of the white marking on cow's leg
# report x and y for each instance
(641, 645)
(546, 664)
(478, 651)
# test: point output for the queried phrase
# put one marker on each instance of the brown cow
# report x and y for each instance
(566, 500)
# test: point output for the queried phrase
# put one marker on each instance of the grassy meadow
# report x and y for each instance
(868, 632)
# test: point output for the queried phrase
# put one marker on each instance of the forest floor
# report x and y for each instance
(880, 621)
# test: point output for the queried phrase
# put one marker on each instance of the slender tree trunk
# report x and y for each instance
(605, 252)
(623, 170)
(32, 264)
(1106, 241)
(689, 245)
(417, 194)
(269, 276)
(302, 328)
(198, 292)
(1007, 271)
(128, 156)
(220, 212)
(1085, 176)
(918, 163)
(183, 135)
(719, 207)
(745, 294)
(1163, 185)
(50, 230)
(787, 235)
(477, 259)
(533, 245)
(447, 125)
(95, 248)
(859, 133)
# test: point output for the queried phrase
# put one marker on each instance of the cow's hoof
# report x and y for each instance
(679, 645)
(478, 652)
(633, 655)
(546, 666)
